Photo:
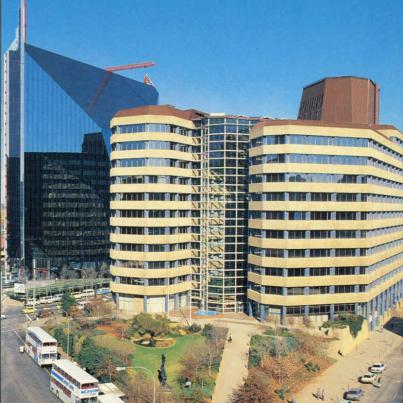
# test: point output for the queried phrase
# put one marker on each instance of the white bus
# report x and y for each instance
(71, 384)
(89, 292)
(40, 346)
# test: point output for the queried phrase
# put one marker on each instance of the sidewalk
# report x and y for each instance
(345, 372)
(233, 368)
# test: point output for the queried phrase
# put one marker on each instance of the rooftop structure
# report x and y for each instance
(341, 99)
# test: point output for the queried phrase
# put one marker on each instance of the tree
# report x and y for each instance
(138, 388)
(63, 342)
(108, 368)
(97, 307)
(98, 361)
(67, 301)
(144, 323)
(91, 356)
(193, 364)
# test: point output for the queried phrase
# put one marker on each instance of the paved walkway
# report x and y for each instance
(233, 368)
(345, 372)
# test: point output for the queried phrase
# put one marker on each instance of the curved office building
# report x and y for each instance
(155, 208)
(326, 220)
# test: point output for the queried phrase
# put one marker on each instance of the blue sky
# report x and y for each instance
(247, 57)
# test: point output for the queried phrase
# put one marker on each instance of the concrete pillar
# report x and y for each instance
(388, 299)
(331, 313)
(356, 309)
(306, 310)
(250, 311)
(283, 314)
(176, 302)
(115, 296)
(145, 304)
(372, 327)
(367, 309)
(382, 304)
(166, 304)
(262, 314)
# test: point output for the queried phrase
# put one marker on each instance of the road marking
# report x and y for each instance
(19, 336)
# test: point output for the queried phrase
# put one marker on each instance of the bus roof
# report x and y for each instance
(75, 371)
(109, 399)
(43, 336)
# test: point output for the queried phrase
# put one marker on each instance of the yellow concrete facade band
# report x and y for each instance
(274, 218)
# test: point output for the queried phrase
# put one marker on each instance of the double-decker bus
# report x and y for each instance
(71, 384)
(40, 346)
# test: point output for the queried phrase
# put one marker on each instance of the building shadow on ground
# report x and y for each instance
(395, 325)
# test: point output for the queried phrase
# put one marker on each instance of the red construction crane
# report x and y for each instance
(108, 76)
(131, 66)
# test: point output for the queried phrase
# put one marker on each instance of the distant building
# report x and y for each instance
(56, 164)
(341, 99)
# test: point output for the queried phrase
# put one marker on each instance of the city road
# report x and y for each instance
(22, 380)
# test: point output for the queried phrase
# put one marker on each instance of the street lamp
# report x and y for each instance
(68, 331)
(145, 369)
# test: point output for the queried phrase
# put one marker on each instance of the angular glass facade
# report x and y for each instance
(56, 160)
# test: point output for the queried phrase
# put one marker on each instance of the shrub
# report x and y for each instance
(353, 322)
(194, 328)
(144, 323)
(256, 389)
(281, 393)
(311, 367)
(346, 319)
(208, 328)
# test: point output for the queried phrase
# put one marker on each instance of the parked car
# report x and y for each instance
(369, 377)
(377, 368)
(22, 349)
(3, 316)
(31, 302)
(354, 394)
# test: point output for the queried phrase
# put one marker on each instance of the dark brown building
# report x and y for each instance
(341, 99)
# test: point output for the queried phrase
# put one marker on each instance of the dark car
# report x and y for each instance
(354, 394)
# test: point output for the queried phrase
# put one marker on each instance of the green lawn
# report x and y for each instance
(150, 358)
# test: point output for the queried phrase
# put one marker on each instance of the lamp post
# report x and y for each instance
(68, 331)
(145, 369)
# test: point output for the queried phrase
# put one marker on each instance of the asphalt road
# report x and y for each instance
(22, 380)
(391, 390)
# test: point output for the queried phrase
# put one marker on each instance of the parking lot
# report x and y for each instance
(387, 347)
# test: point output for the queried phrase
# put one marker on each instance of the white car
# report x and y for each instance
(3, 316)
(368, 378)
(377, 368)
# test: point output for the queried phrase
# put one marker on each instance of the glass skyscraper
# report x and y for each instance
(55, 165)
